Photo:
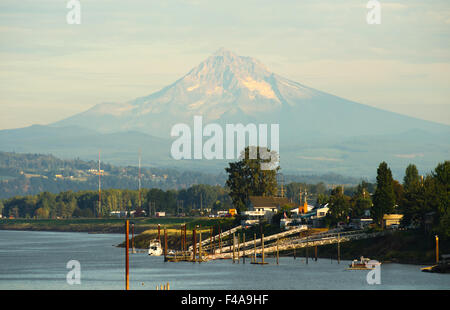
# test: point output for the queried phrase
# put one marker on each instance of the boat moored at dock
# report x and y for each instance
(363, 263)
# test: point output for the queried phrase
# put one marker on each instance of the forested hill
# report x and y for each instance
(30, 174)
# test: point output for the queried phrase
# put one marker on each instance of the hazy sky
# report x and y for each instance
(50, 70)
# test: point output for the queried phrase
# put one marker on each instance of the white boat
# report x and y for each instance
(155, 249)
(364, 263)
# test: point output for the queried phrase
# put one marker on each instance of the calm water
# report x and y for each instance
(37, 260)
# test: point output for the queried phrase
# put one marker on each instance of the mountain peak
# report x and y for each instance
(225, 53)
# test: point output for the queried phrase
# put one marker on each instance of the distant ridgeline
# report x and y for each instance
(30, 174)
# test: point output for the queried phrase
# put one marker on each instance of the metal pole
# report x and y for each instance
(127, 258)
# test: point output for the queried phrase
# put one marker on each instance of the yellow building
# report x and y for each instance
(392, 219)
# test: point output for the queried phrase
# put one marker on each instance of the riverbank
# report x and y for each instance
(105, 225)
(405, 247)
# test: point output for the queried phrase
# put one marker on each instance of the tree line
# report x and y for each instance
(422, 200)
(69, 204)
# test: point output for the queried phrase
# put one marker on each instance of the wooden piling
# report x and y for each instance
(194, 245)
(277, 252)
(238, 248)
(132, 238)
(243, 255)
(127, 259)
(254, 252)
(211, 240)
(234, 251)
(262, 243)
(181, 238)
(200, 247)
(315, 252)
(185, 238)
(306, 249)
(339, 248)
(165, 244)
(159, 233)
(220, 240)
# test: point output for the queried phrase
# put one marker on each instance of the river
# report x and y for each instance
(37, 260)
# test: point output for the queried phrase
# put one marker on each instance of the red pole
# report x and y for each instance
(127, 259)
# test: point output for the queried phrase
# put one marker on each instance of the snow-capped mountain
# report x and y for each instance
(227, 88)
(319, 132)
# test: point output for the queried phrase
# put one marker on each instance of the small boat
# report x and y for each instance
(363, 263)
(155, 249)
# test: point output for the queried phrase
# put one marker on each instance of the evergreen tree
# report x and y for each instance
(411, 181)
(246, 178)
(384, 197)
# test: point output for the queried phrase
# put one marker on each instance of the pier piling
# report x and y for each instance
(277, 252)
(339, 249)
(194, 245)
(234, 250)
(165, 244)
(243, 256)
(200, 247)
(262, 244)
